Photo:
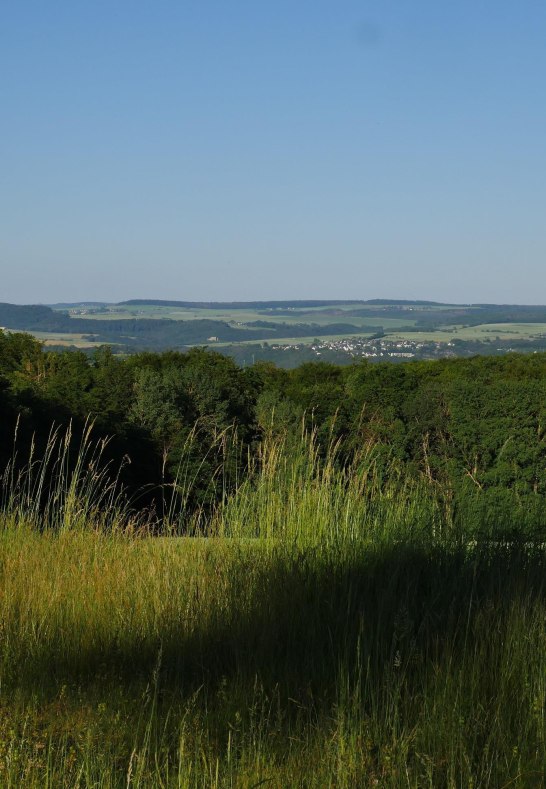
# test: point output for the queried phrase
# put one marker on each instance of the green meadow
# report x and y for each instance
(64, 338)
(322, 626)
(484, 332)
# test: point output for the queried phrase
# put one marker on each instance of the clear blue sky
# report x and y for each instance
(259, 150)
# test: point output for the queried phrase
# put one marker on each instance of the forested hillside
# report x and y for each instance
(158, 333)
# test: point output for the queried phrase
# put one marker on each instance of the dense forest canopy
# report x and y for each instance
(468, 427)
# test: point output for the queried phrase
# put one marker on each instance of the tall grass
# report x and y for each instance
(68, 485)
(296, 494)
(329, 629)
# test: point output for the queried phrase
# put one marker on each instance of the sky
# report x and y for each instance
(206, 150)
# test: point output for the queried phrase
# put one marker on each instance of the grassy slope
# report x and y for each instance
(330, 631)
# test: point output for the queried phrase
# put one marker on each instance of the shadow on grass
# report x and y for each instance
(307, 615)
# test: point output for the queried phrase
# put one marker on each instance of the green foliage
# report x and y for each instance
(159, 403)
(467, 428)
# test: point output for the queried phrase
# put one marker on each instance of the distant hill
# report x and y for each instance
(280, 322)
(157, 333)
(264, 305)
(33, 317)
(233, 305)
(72, 305)
(406, 302)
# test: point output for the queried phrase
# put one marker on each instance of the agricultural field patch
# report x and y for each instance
(485, 332)
(67, 339)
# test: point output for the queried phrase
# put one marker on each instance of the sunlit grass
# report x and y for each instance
(331, 629)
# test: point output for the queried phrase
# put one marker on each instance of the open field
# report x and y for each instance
(64, 338)
(483, 332)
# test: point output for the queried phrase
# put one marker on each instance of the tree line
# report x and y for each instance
(474, 429)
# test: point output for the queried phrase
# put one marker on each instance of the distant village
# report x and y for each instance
(374, 348)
